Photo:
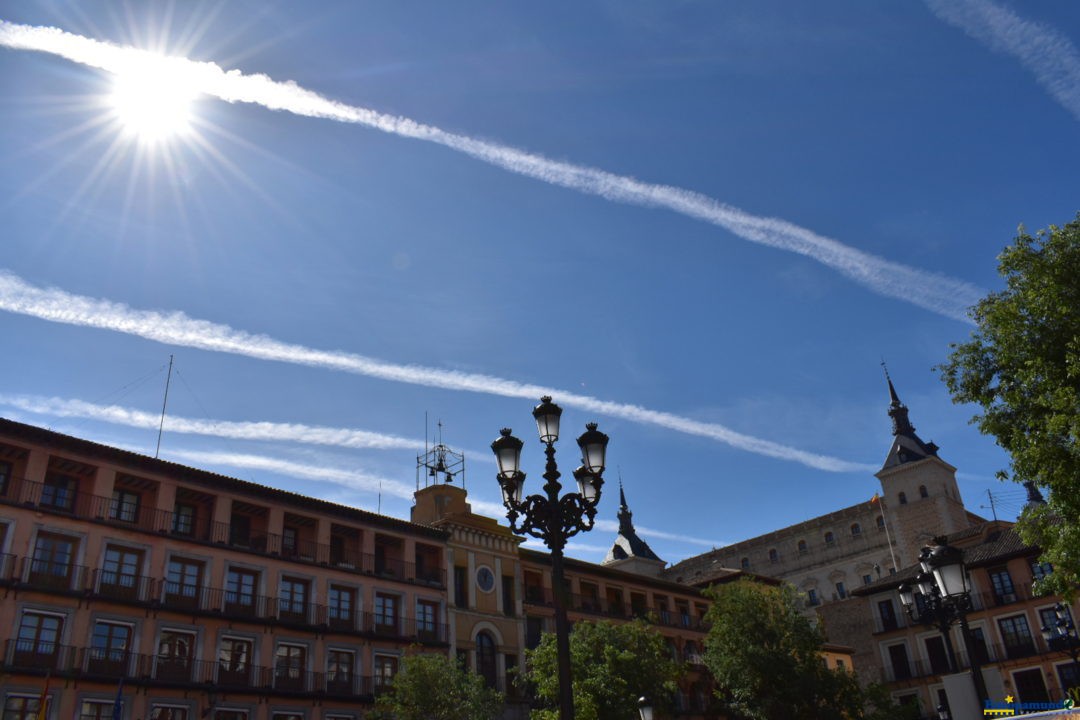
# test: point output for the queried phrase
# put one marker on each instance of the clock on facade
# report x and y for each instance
(485, 579)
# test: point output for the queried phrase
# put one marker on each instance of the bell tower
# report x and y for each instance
(921, 499)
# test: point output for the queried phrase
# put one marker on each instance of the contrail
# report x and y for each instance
(249, 430)
(932, 291)
(176, 328)
(1047, 53)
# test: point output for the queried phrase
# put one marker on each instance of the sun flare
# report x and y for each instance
(153, 101)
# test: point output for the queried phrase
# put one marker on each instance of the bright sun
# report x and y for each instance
(152, 102)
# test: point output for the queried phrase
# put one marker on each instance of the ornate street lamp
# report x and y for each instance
(1062, 637)
(645, 708)
(550, 517)
(942, 596)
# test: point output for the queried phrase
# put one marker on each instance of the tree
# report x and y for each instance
(765, 657)
(1022, 367)
(432, 687)
(612, 664)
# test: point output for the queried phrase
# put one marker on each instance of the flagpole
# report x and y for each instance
(880, 502)
(43, 699)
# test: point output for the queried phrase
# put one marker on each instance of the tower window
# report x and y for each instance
(903, 498)
(774, 556)
(830, 539)
(922, 492)
(745, 563)
(802, 547)
(856, 530)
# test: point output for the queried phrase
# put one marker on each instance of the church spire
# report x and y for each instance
(628, 544)
(898, 411)
(626, 524)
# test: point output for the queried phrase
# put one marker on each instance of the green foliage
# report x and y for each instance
(1022, 367)
(432, 687)
(612, 666)
(765, 657)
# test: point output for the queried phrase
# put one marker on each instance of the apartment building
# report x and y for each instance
(1005, 622)
(206, 596)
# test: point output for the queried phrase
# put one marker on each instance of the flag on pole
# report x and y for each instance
(875, 500)
(118, 705)
(43, 700)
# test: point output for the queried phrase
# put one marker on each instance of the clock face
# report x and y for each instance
(485, 579)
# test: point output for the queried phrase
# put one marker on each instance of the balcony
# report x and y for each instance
(52, 576)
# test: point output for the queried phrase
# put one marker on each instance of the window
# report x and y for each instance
(340, 666)
(841, 591)
(239, 530)
(120, 572)
(168, 712)
(289, 541)
(534, 628)
(184, 519)
(1004, 592)
(683, 609)
(1016, 636)
(97, 710)
(290, 662)
(341, 601)
(23, 707)
(898, 659)
(52, 563)
(58, 492)
(5, 477)
(830, 539)
(812, 597)
(485, 658)
(903, 498)
(183, 579)
(840, 664)
(293, 600)
(936, 654)
(508, 595)
(867, 579)
(461, 587)
(38, 643)
(802, 547)
(745, 563)
(109, 647)
(240, 586)
(175, 656)
(880, 523)
(1069, 676)
(691, 653)
(426, 612)
(386, 613)
(1040, 570)
(230, 714)
(887, 615)
(922, 492)
(234, 661)
(856, 530)
(124, 506)
(774, 557)
(385, 667)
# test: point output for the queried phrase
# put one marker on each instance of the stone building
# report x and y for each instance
(828, 556)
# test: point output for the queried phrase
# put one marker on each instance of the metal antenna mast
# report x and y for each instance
(161, 425)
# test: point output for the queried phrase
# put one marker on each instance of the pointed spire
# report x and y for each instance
(897, 410)
(1034, 497)
(628, 544)
(626, 525)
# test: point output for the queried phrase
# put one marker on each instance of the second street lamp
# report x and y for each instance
(550, 517)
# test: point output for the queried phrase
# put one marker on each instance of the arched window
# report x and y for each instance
(485, 657)
(903, 498)
(802, 547)
(774, 556)
(856, 530)
(745, 563)
(922, 491)
(880, 522)
(830, 539)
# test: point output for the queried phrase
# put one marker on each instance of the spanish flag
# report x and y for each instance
(875, 500)
(43, 700)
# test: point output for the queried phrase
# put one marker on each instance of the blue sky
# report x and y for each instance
(702, 225)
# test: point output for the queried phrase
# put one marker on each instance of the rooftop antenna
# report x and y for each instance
(993, 509)
(161, 425)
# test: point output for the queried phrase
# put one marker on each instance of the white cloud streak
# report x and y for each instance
(176, 328)
(932, 291)
(261, 431)
(1048, 54)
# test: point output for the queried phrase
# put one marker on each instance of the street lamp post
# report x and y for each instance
(1062, 637)
(553, 518)
(941, 597)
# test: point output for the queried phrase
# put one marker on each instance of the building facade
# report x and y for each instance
(208, 597)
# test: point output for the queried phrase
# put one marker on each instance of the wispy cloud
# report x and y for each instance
(932, 291)
(649, 533)
(176, 328)
(1047, 53)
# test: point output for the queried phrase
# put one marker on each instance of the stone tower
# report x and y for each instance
(919, 494)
